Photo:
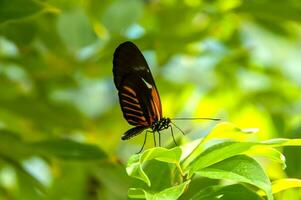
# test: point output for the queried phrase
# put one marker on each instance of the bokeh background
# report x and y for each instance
(239, 60)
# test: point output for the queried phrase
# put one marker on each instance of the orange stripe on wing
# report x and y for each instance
(135, 123)
(130, 90)
(156, 103)
(142, 118)
(133, 104)
(131, 109)
(130, 97)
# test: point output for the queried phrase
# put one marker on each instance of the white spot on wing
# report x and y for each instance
(147, 84)
(139, 68)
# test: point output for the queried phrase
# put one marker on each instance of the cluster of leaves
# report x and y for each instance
(168, 173)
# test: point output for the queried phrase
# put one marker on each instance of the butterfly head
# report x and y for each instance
(161, 124)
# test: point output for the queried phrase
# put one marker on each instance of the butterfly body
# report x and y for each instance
(157, 126)
(138, 95)
(164, 123)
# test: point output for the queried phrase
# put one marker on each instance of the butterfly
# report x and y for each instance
(138, 95)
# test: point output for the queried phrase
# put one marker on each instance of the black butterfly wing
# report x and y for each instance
(138, 95)
(128, 60)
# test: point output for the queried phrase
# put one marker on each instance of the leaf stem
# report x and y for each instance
(181, 171)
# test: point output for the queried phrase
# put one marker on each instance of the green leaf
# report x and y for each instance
(283, 184)
(134, 167)
(223, 130)
(12, 146)
(168, 194)
(281, 142)
(161, 175)
(136, 193)
(217, 153)
(162, 154)
(229, 192)
(227, 149)
(240, 168)
(67, 149)
(269, 152)
(188, 148)
(18, 9)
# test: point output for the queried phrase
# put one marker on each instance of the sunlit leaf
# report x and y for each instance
(136, 193)
(268, 152)
(225, 150)
(134, 169)
(217, 153)
(161, 154)
(135, 163)
(283, 184)
(220, 131)
(188, 148)
(240, 168)
(280, 142)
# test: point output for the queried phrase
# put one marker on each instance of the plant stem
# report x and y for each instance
(181, 171)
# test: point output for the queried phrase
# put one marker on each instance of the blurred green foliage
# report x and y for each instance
(60, 122)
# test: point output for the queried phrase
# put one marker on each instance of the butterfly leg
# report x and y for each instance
(173, 137)
(143, 142)
(159, 139)
(154, 134)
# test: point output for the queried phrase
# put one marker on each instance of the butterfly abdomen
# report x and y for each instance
(132, 132)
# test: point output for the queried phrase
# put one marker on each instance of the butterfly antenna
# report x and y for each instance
(197, 118)
(178, 128)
